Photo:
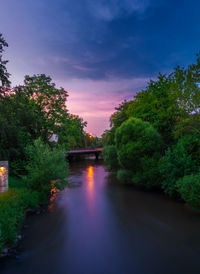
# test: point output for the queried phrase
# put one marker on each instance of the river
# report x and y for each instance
(97, 226)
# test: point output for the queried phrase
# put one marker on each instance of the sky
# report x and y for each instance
(101, 51)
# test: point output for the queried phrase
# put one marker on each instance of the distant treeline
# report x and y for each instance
(154, 140)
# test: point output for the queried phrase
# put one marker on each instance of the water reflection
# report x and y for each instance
(54, 192)
(90, 185)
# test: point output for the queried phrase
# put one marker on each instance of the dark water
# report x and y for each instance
(99, 227)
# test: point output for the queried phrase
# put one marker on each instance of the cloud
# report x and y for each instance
(112, 9)
(102, 51)
(83, 68)
(95, 101)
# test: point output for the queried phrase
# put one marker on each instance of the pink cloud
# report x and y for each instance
(83, 68)
(95, 101)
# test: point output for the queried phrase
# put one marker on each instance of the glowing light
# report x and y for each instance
(2, 169)
(90, 136)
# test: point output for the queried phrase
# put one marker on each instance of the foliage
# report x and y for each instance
(164, 103)
(187, 132)
(138, 148)
(187, 126)
(108, 137)
(4, 75)
(45, 165)
(16, 182)
(19, 125)
(124, 175)
(148, 175)
(158, 106)
(71, 132)
(189, 189)
(174, 165)
(110, 156)
(13, 206)
(25, 116)
(120, 115)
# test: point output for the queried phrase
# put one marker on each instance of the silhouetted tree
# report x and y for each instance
(4, 75)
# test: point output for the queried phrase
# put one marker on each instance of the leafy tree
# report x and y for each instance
(71, 132)
(110, 156)
(44, 165)
(108, 137)
(189, 189)
(138, 148)
(50, 101)
(120, 115)
(116, 119)
(32, 111)
(174, 165)
(19, 125)
(158, 106)
(168, 100)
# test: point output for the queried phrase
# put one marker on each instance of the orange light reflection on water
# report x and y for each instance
(90, 184)
(53, 196)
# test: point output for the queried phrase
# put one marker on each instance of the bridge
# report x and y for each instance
(86, 151)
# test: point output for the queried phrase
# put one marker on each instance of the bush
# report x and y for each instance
(174, 165)
(45, 165)
(139, 145)
(124, 175)
(189, 189)
(191, 144)
(110, 156)
(15, 182)
(148, 175)
(13, 206)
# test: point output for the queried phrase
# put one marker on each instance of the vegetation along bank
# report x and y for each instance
(154, 140)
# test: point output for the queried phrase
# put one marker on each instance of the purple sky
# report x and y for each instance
(100, 51)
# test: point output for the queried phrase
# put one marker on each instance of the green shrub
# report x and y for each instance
(15, 182)
(13, 206)
(124, 175)
(139, 145)
(45, 165)
(174, 165)
(189, 189)
(191, 144)
(148, 176)
(110, 156)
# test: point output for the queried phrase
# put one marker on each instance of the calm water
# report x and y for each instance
(97, 226)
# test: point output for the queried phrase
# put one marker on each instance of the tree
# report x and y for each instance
(189, 189)
(138, 148)
(168, 100)
(120, 115)
(20, 125)
(158, 106)
(174, 165)
(50, 101)
(4, 75)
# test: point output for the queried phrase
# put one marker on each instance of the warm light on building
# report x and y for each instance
(3, 176)
(2, 169)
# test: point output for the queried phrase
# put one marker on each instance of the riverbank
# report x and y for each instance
(15, 204)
